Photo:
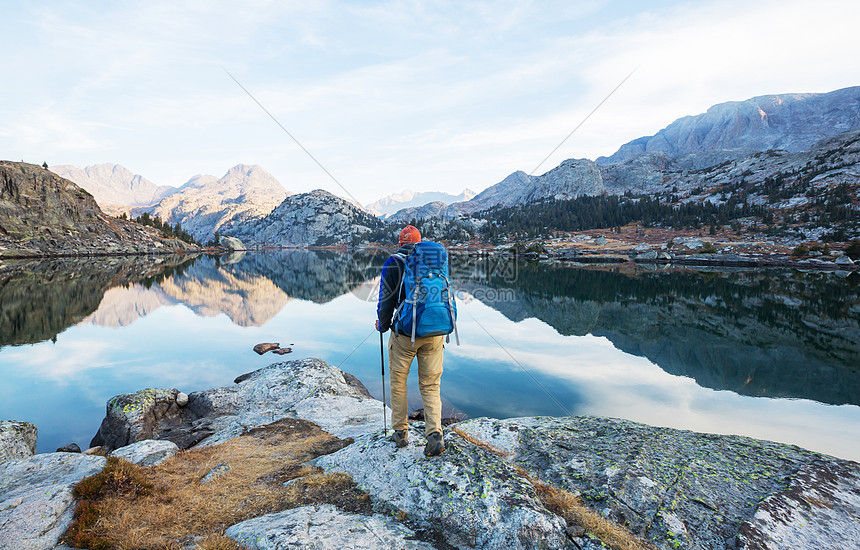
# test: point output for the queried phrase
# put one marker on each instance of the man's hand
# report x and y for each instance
(376, 324)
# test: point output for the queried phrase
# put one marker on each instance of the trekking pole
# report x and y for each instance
(382, 362)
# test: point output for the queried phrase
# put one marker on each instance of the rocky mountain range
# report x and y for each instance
(43, 214)
(570, 179)
(205, 204)
(391, 204)
(807, 142)
(724, 144)
(314, 218)
(789, 122)
(115, 188)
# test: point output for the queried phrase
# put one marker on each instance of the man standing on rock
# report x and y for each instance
(404, 344)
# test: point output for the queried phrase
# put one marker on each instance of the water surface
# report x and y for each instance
(768, 354)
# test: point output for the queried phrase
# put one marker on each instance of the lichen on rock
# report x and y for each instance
(36, 497)
(324, 527)
(468, 493)
(133, 417)
(17, 440)
(676, 488)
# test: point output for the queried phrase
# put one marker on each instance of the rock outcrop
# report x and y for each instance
(470, 494)
(324, 527)
(42, 214)
(134, 417)
(314, 218)
(36, 499)
(823, 493)
(675, 488)
(149, 452)
(17, 440)
(231, 243)
(682, 489)
(309, 389)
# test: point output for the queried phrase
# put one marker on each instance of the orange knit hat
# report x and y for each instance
(410, 234)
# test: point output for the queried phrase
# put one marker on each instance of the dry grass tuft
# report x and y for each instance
(477, 442)
(167, 506)
(335, 488)
(575, 512)
(118, 477)
(570, 507)
(219, 541)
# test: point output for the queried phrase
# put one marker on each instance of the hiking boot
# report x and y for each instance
(435, 444)
(399, 437)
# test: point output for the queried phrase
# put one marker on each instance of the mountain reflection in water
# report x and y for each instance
(40, 299)
(774, 334)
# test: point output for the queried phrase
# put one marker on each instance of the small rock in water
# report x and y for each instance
(282, 351)
(70, 448)
(266, 346)
(181, 399)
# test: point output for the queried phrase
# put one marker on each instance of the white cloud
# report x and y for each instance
(52, 130)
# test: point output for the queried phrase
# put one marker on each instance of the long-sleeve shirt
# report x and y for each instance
(390, 290)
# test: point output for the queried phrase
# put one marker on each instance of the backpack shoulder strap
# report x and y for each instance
(400, 287)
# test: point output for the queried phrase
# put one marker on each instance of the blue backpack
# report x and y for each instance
(428, 308)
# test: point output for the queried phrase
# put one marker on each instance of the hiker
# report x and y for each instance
(416, 331)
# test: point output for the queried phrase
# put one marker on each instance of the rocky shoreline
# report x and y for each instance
(665, 250)
(567, 256)
(673, 488)
(45, 215)
(574, 256)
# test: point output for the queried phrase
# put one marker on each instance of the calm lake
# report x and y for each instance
(768, 354)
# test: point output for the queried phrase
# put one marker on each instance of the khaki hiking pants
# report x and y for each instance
(400, 355)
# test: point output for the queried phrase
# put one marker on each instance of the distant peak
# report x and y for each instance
(245, 168)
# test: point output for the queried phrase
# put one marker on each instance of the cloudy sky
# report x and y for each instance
(426, 95)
